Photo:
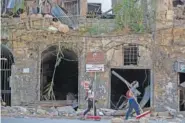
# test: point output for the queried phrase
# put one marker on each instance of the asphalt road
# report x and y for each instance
(44, 120)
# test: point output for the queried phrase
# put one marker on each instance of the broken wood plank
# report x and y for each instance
(126, 82)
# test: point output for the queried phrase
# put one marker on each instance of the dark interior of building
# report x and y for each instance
(66, 74)
(6, 62)
(182, 98)
(119, 88)
(178, 2)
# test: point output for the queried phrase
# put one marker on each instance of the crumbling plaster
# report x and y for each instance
(27, 49)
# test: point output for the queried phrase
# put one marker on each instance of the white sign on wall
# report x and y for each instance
(26, 70)
(95, 68)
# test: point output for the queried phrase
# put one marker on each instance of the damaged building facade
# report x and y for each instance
(33, 56)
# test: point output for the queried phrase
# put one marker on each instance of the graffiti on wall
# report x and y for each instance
(101, 92)
(102, 88)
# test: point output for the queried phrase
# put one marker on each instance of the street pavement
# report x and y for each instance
(45, 120)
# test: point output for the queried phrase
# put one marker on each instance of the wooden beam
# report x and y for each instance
(126, 82)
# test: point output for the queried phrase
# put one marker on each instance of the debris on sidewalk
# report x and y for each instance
(144, 120)
(41, 111)
(165, 115)
(69, 112)
(107, 112)
(171, 111)
(52, 111)
(65, 110)
(117, 120)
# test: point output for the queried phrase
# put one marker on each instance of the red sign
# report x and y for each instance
(95, 58)
(85, 84)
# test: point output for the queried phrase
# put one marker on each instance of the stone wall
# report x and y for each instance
(164, 14)
(27, 49)
(170, 47)
(28, 45)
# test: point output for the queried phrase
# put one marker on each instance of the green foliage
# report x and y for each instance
(96, 29)
(129, 14)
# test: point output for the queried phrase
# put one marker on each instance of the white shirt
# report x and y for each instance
(90, 94)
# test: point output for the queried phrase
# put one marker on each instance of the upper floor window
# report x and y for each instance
(131, 53)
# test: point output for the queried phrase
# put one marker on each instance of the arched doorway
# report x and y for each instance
(66, 74)
(6, 62)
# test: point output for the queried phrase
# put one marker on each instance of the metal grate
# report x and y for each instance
(131, 53)
(5, 79)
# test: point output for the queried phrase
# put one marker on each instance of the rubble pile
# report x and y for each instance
(38, 111)
(61, 27)
(69, 112)
(46, 21)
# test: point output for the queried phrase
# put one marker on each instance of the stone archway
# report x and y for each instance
(66, 73)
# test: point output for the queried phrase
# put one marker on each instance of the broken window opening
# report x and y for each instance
(131, 53)
(66, 75)
(119, 88)
(178, 2)
(94, 9)
(182, 91)
(6, 62)
(72, 7)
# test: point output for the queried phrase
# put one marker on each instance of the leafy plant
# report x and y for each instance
(129, 14)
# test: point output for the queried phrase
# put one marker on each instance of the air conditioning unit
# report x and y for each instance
(179, 66)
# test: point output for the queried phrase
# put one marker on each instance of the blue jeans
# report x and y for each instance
(132, 105)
